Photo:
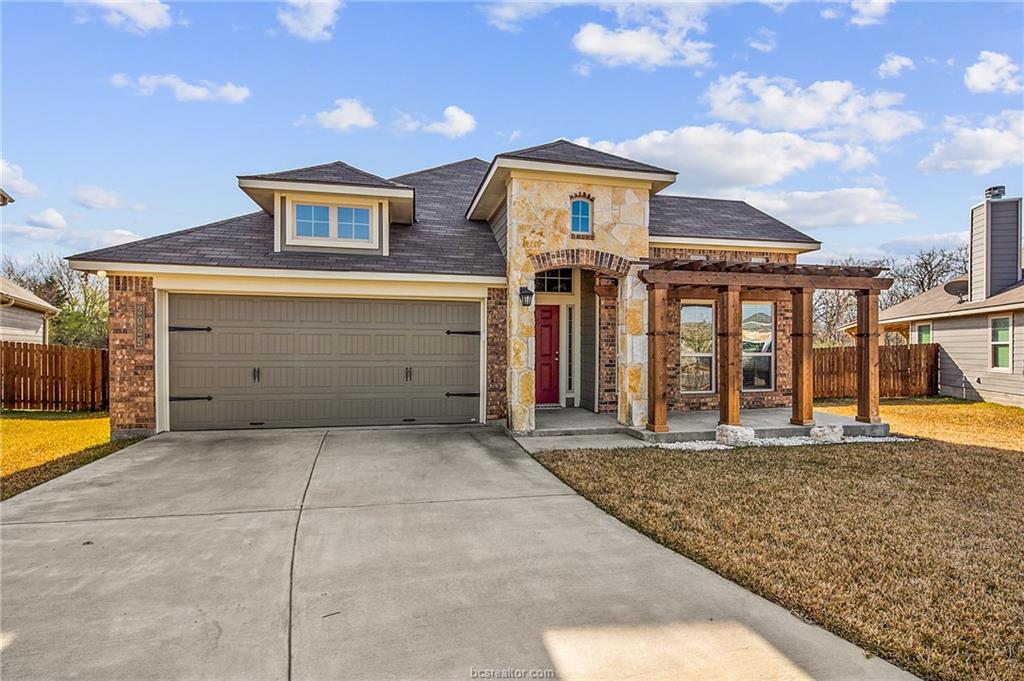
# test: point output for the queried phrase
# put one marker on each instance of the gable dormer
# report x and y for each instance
(334, 207)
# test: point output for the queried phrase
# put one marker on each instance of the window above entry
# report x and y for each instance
(349, 223)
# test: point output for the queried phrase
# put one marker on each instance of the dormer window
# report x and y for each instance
(349, 223)
(581, 210)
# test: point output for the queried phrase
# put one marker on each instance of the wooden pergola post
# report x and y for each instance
(730, 329)
(803, 357)
(868, 379)
(657, 366)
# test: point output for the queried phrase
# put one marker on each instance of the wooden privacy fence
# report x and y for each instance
(53, 377)
(906, 371)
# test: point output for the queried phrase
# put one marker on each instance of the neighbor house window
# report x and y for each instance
(924, 334)
(696, 347)
(554, 281)
(343, 225)
(758, 339)
(581, 216)
(1000, 341)
(312, 221)
(354, 223)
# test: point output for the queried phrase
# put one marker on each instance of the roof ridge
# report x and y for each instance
(535, 148)
(343, 164)
(151, 239)
(700, 198)
(438, 167)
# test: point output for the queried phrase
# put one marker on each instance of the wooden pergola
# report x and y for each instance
(729, 283)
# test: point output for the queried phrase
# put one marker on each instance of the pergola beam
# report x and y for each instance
(762, 280)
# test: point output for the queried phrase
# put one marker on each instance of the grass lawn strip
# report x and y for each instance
(16, 483)
(912, 550)
(31, 438)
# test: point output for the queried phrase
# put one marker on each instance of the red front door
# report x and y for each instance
(546, 333)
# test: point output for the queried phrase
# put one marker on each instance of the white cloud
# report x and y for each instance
(203, 91)
(346, 115)
(715, 159)
(831, 13)
(993, 72)
(311, 20)
(842, 207)
(454, 123)
(894, 64)
(12, 178)
(837, 109)
(48, 219)
(997, 142)
(509, 16)
(857, 157)
(763, 40)
(648, 36)
(869, 12)
(909, 245)
(97, 198)
(134, 16)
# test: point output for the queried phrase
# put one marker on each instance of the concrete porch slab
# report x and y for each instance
(610, 441)
(683, 426)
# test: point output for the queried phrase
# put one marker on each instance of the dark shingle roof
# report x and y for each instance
(564, 151)
(330, 173)
(441, 241)
(684, 216)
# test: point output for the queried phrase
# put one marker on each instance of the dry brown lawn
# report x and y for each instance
(946, 419)
(36, 446)
(914, 551)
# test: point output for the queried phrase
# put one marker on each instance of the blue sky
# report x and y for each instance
(872, 126)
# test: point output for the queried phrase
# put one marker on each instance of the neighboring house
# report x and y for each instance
(977, 320)
(467, 292)
(5, 198)
(24, 316)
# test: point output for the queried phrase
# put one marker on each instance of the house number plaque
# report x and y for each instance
(140, 326)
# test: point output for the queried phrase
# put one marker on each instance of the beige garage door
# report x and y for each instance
(269, 362)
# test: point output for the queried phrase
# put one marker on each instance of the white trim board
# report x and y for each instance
(732, 244)
(209, 270)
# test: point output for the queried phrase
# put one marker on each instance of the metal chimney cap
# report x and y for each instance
(996, 192)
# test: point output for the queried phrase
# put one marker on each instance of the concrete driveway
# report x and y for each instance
(426, 553)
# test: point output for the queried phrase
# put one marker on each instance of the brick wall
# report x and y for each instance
(782, 395)
(132, 365)
(497, 360)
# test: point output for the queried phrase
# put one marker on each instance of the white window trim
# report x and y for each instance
(332, 241)
(915, 326)
(1008, 343)
(775, 321)
(714, 345)
(590, 215)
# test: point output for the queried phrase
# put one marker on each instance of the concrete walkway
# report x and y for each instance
(427, 553)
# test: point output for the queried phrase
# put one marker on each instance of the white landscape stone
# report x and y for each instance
(830, 433)
(736, 436)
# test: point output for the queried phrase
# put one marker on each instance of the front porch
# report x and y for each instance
(694, 425)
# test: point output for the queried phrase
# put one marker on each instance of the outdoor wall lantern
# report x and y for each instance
(525, 296)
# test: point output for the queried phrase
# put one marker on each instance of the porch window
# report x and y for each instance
(758, 340)
(1000, 342)
(580, 216)
(554, 281)
(924, 334)
(696, 347)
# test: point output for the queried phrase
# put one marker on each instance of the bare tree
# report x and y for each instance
(81, 298)
(835, 308)
(925, 270)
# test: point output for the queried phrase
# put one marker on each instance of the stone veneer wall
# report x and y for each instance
(132, 368)
(783, 394)
(539, 223)
(497, 348)
(607, 355)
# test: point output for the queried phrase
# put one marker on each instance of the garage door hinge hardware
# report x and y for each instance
(462, 394)
(179, 398)
(449, 332)
(205, 329)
